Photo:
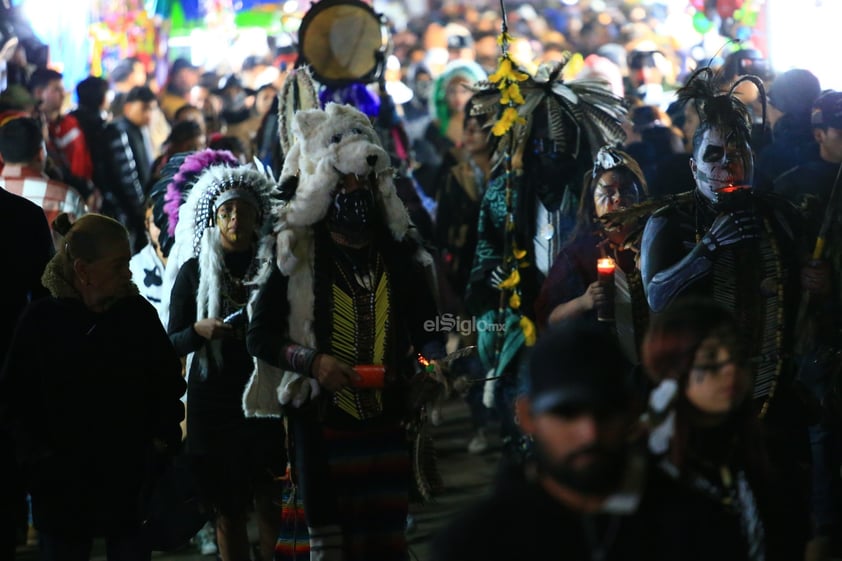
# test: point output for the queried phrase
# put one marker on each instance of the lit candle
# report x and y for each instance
(605, 269)
(605, 266)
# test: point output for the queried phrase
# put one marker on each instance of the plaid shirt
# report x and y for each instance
(53, 196)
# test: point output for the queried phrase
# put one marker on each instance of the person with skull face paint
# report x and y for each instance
(726, 241)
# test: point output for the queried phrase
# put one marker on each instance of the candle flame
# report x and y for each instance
(605, 265)
(732, 188)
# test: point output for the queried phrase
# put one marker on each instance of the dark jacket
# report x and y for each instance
(215, 420)
(84, 396)
(520, 520)
(128, 171)
(28, 249)
(413, 311)
(93, 129)
(792, 145)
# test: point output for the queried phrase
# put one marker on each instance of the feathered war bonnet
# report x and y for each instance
(216, 185)
(169, 194)
(170, 191)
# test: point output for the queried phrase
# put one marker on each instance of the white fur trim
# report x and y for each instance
(330, 144)
(291, 168)
(260, 398)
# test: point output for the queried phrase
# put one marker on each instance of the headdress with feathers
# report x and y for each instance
(577, 110)
(170, 191)
(196, 236)
(716, 109)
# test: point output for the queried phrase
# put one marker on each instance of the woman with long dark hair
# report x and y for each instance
(705, 434)
(572, 288)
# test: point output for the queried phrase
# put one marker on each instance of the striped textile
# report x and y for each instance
(52, 196)
(363, 518)
(294, 538)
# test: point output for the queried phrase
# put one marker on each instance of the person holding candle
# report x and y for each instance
(581, 281)
(347, 292)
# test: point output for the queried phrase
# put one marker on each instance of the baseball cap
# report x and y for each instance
(229, 82)
(578, 364)
(827, 110)
(16, 96)
(794, 91)
(180, 64)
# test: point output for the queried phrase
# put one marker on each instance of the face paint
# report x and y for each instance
(236, 219)
(613, 192)
(722, 166)
(717, 383)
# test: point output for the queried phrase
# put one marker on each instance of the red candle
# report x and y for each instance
(372, 375)
(605, 270)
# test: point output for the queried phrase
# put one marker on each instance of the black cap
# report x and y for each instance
(579, 364)
(231, 81)
(794, 91)
(460, 42)
(642, 59)
(827, 111)
(180, 64)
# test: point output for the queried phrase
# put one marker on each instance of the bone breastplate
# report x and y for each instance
(748, 279)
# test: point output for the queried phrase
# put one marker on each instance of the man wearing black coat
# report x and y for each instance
(128, 153)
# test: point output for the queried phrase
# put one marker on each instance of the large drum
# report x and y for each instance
(343, 41)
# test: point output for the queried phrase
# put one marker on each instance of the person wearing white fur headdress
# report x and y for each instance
(234, 459)
(337, 328)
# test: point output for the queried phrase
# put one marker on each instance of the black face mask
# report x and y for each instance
(600, 478)
(352, 215)
(549, 170)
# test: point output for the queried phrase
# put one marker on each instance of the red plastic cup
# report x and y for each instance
(372, 376)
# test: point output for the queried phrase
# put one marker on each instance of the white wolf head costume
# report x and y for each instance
(329, 145)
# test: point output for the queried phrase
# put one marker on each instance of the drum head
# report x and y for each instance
(343, 41)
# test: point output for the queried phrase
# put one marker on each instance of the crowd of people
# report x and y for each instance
(269, 285)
